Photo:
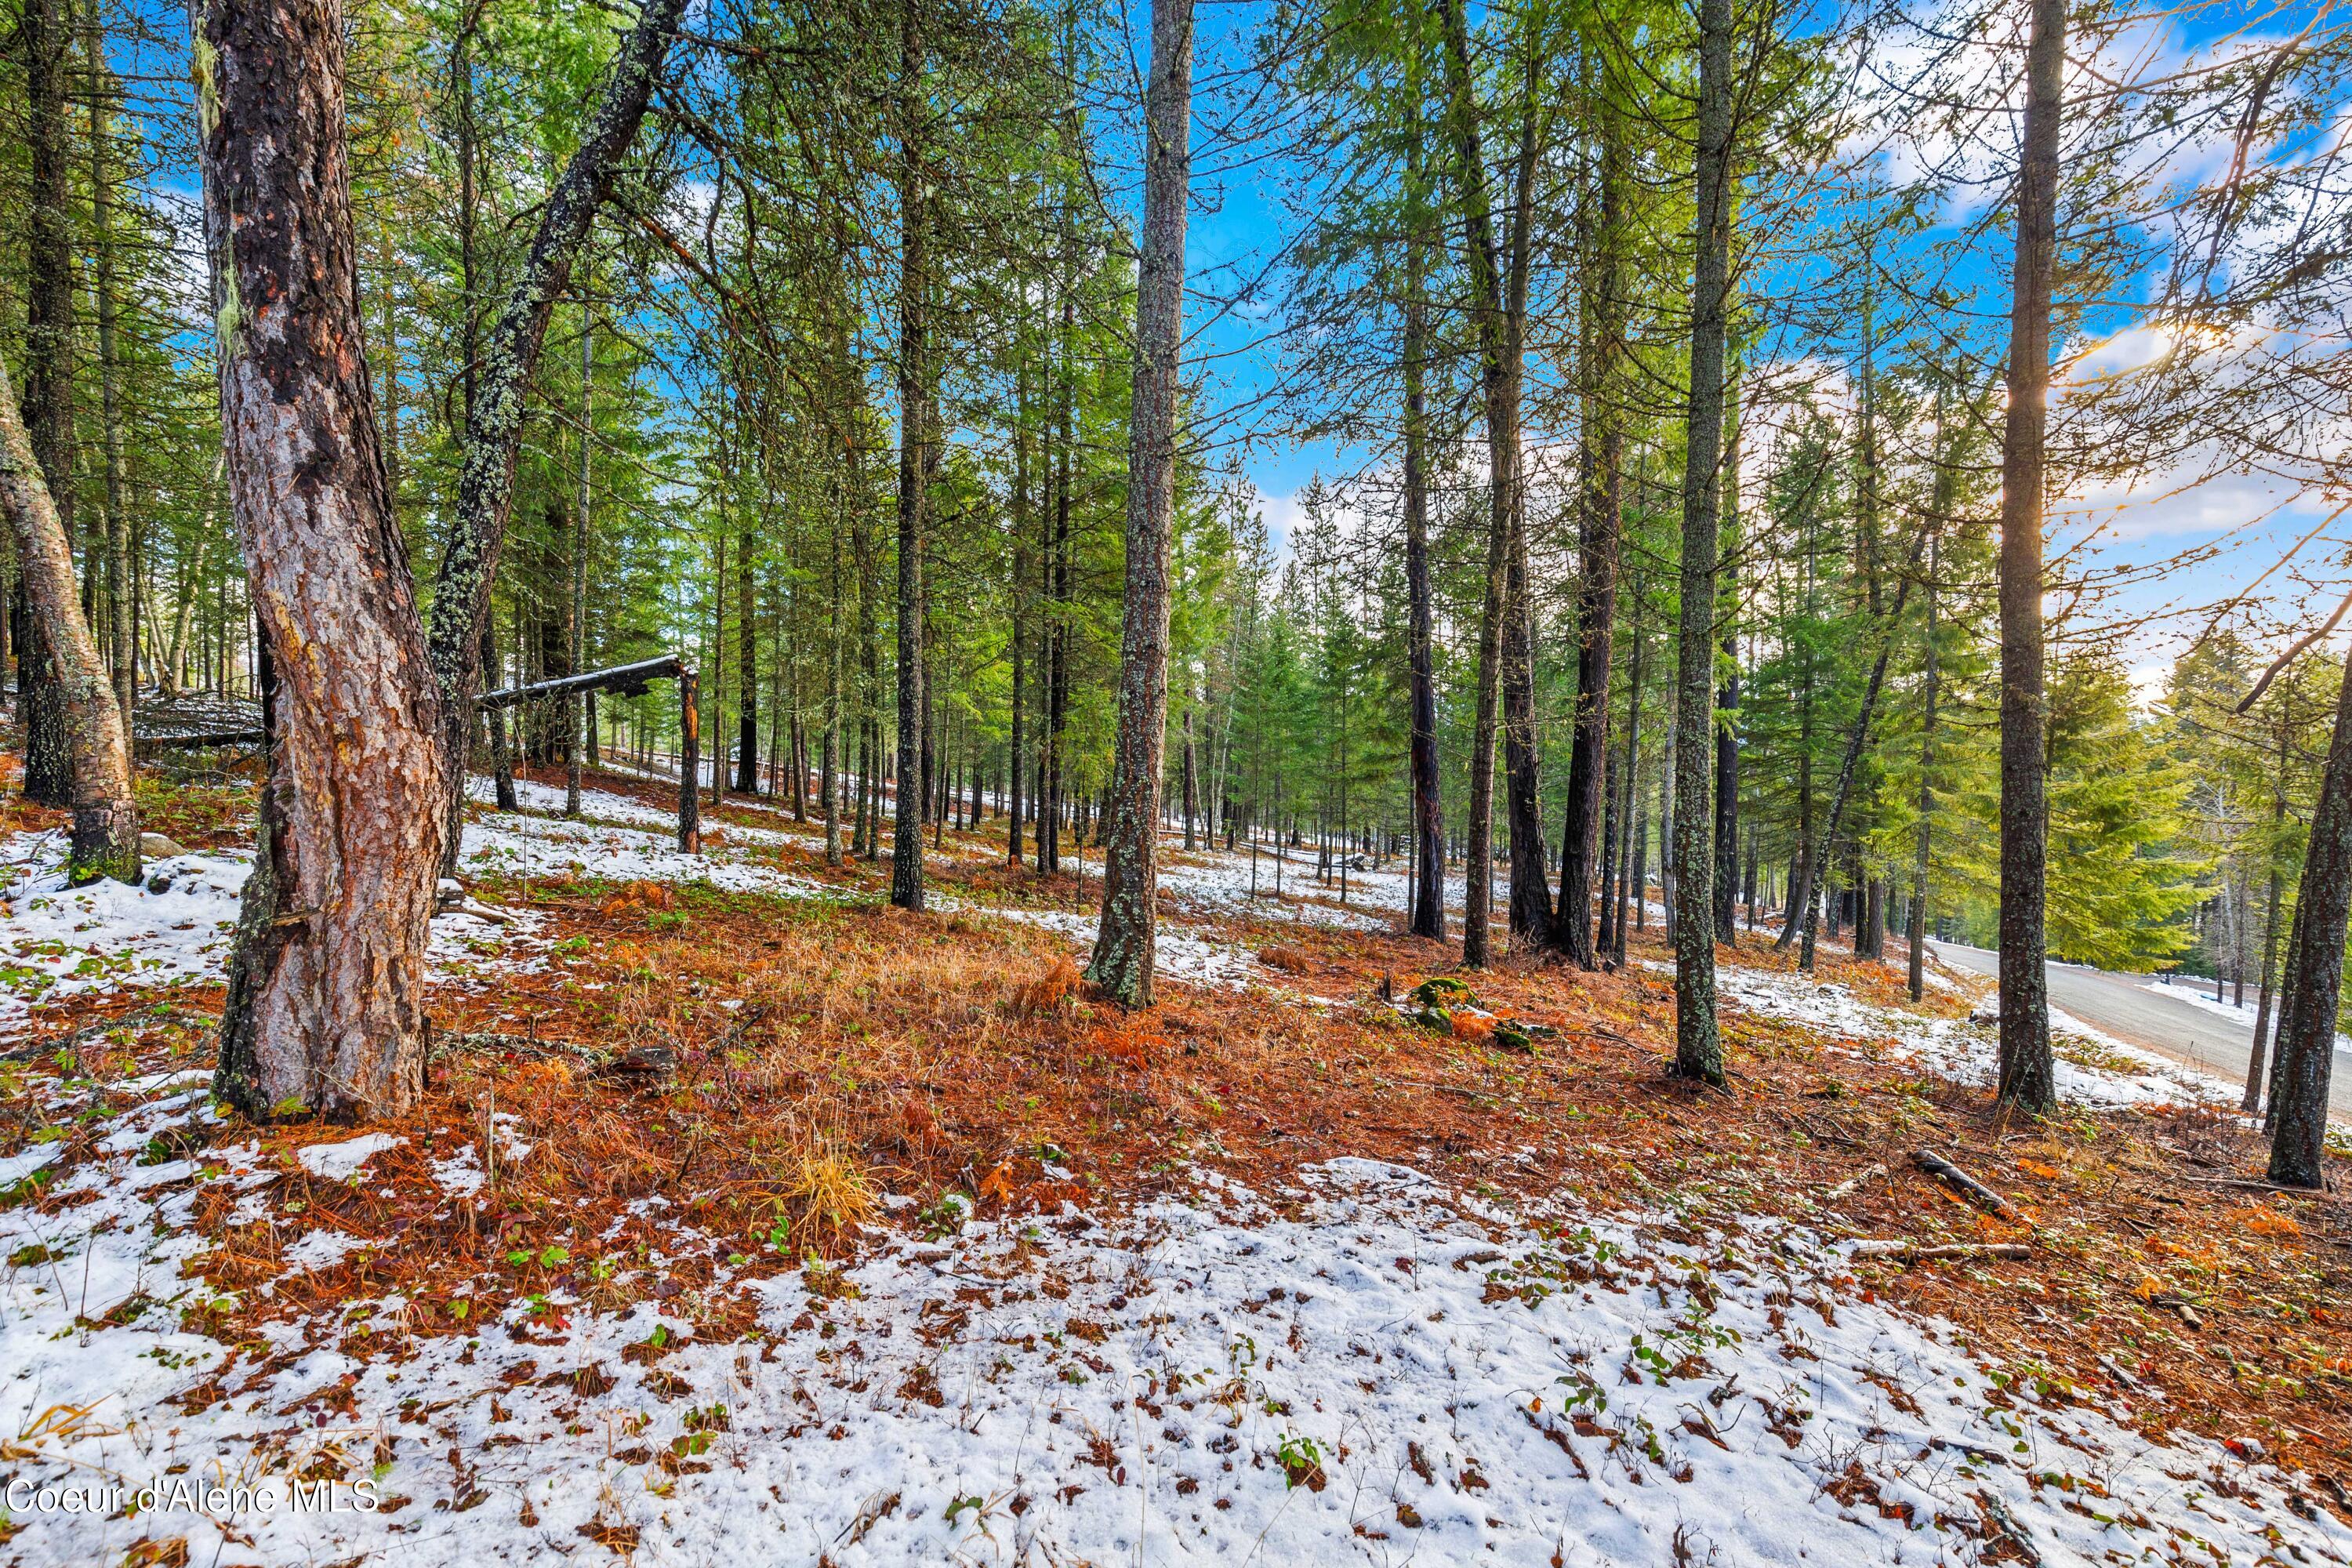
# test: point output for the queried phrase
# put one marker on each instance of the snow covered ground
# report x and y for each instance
(1382, 1371)
(175, 927)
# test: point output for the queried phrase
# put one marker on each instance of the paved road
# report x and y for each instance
(2123, 1005)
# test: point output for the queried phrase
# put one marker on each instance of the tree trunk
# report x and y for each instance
(747, 674)
(914, 430)
(502, 778)
(1726, 729)
(1629, 872)
(1600, 521)
(494, 422)
(1487, 293)
(1522, 761)
(1804, 903)
(45, 38)
(2252, 1102)
(2311, 987)
(1917, 977)
(1017, 752)
(1123, 950)
(1428, 914)
(1698, 1051)
(104, 839)
(119, 646)
(2027, 1075)
(689, 762)
(575, 616)
(325, 1009)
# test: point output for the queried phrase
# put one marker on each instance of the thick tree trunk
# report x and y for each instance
(1698, 1050)
(325, 1010)
(1599, 521)
(1123, 950)
(2311, 987)
(45, 38)
(494, 423)
(104, 840)
(2027, 1075)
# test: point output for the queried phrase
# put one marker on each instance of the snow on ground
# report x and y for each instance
(1179, 953)
(60, 942)
(173, 928)
(341, 1161)
(1382, 1371)
(2093, 1069)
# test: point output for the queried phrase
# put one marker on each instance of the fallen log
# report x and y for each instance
(1967, 1186)
(626, 680)
(147, 746)
(451, 899)
(1911, 1252)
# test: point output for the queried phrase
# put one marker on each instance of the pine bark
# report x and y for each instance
(747, 681)
(2027, 1074)
(1486, 294)
(1428, 913)
(1698, 1049)
(575, 614)
(119, 643)
(914, 431)
(325, 1009)
(1600, 518)
(44, 35)
(1122, 962)
(2312, 988)
(104, 838)
(1727, 697)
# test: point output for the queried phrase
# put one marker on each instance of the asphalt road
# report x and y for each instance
(2123, 1005)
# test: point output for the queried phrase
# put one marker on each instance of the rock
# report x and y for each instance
(159, 884)
(155, 846)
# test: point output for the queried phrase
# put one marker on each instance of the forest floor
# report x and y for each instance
(748, 1219)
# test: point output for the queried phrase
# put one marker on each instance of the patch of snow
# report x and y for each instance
(1180, 953)
(63, 941)
(459, 1174)
(14, 1168)
(341, 1161)
(322, 1249)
